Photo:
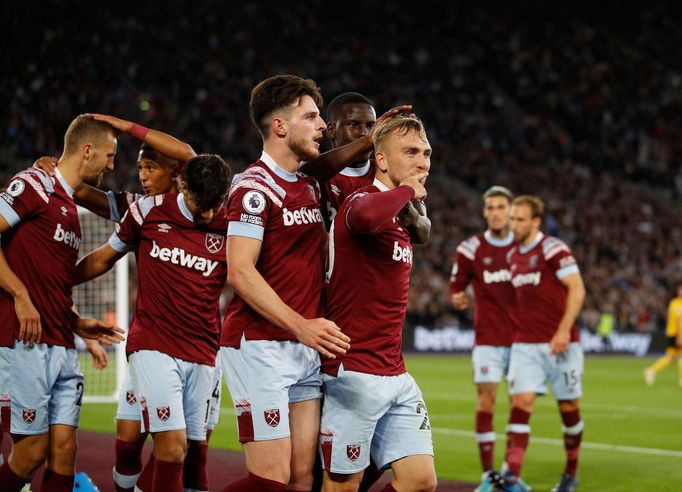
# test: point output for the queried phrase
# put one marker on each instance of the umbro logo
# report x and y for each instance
(64, 210)
(163, 227)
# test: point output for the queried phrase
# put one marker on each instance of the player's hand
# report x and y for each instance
(408, 216)
(48, 164)
(559, 342)
(391, 113)
(100, 358)
(94, 329)
(121, 125)
(324, 336)
(416, 182)
(460, 301)
(29, 319)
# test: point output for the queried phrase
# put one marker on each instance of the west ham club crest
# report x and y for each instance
(214, 242)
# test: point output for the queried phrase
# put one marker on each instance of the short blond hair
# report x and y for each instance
(84, 129)
(401, 126)
(535, 203)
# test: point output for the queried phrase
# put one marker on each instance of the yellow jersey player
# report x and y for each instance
(673, 333)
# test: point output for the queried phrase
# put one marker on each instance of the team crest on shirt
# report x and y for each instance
(353, 452)
(533, 261)
(272, 417)
(16, 188)
(131, 398)
(29, 415)
(253, 202)
(214, 242)
(163, 413)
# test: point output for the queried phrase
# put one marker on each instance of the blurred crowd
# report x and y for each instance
(581, 108)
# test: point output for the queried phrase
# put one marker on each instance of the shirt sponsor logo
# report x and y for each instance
(67, 237)
(301, 216)
(253, 202)
(499, 276)
(532, 278)
(402, 254)
(178, 256)
(251, 219)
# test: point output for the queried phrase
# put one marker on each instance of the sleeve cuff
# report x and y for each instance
(9, 214)
(566, 271)
(253, 231)
(114, 213)
(118, 245)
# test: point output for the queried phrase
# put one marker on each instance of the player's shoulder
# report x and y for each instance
(360, 192)
(141, 208)
(257, 181)
(552, 246)
(33, 179)
(470, 246)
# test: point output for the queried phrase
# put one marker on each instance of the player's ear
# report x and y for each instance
(86, 151)
(278, 127)
(380, 159)
(331, 131)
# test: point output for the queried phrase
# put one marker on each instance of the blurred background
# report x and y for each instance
(580, 105)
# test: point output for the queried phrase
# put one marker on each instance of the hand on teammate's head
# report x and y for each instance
(404, 110)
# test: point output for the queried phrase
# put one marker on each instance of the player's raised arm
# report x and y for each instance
(330, 163)
(574, 302)
(319, 333)
(29, 318)
(163, 142)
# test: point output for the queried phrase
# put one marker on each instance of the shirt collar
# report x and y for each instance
(63, 182)
(505, 241)
(356, 171)
(183, 207)
(526, 249)
(277, 169)
(380, 185)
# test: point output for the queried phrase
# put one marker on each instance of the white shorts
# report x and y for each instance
(5, 405)
(174, 394)
(46, 388)
(214, 412)
(491, 363)
(531, 367)
(128, 401)
(263, 377)
(365, 414)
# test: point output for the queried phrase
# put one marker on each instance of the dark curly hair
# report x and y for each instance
(207, 177)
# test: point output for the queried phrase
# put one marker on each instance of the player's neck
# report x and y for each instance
(70, 171)
(383, 177)
(532, 237)
(282, 155)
